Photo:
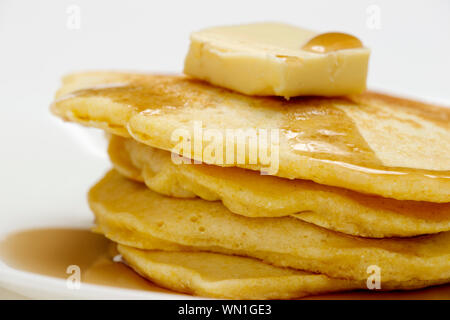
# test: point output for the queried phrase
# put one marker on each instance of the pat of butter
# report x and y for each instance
(278, 59)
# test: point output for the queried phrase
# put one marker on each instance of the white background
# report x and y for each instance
(46, 166)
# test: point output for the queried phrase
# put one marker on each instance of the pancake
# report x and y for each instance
(370, 143)
(235, 277)
(129, 213)
(247, 193)
(226, 276)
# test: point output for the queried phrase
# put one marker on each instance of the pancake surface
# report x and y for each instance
(368, 143)
(248, 193)
(226, 276)
(129, 213)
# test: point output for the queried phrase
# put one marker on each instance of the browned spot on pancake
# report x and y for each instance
(157, 94)
(436, 114)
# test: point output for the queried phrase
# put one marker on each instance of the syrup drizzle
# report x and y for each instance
(332, 41)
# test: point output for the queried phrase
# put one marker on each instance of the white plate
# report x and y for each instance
(46, 184)
(34, 286)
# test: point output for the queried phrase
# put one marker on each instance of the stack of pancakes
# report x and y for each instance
(361, 194)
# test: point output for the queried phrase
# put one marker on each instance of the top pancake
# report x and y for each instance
(369, 143)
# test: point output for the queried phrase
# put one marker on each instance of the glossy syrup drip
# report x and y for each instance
(50, 251)
(332, 41)
(313, 127)
(323, 131)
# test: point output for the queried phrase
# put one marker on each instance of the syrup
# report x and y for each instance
(332, 41)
